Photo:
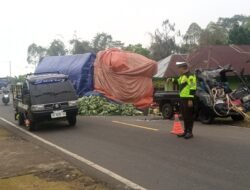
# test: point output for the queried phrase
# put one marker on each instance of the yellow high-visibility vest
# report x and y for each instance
(187, 85)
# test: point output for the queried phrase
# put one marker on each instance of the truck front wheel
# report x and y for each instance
(167, 111)
(205, 116)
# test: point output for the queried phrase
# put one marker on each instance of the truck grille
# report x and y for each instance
(56, 106)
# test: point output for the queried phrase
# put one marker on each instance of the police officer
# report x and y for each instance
(187, 88)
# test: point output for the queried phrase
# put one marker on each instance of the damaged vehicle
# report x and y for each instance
(43, 97)
(215, 98)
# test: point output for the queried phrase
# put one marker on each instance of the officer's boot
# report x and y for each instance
(183, 134)
(189, 134)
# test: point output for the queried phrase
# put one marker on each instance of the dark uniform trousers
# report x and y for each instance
(187, 114)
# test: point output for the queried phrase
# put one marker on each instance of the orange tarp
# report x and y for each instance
(125, 76)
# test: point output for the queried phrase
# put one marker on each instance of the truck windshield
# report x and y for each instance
(52, 92)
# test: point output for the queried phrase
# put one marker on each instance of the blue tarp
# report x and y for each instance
(79, 68)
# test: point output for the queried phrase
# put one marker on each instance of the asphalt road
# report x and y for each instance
(145, 152)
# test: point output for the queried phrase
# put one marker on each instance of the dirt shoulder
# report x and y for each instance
(24, 165)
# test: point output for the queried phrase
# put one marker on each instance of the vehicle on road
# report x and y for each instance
(43, 97)
(168, 101)
(6, 96)
(214, 97)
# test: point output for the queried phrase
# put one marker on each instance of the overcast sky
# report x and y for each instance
(39, 21)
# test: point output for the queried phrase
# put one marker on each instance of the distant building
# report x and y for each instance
(208, 57)
(214, 56)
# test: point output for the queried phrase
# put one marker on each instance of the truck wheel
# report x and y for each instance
(72, 120)
(237, 117)
(20, 119)
(167, 111)
(32, 126)
(205, 116)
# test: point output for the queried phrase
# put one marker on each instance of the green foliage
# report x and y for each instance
(214, 34)
(20, 78)
(229, 23)
(234, 30)
(163, 41)
(101, 41)
(137, 48)
(35, 53)
(95, 105)
(239, 35)
(56, 48)
(193, 34)
(191, 38)
(80, 47)
(159, 83)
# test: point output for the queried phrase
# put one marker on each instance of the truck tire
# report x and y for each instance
(205, 116)
(32, 126)
(72, 120)
(237, 117)
(167, 111)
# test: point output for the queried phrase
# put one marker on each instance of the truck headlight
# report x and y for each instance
(37, 107)
(72, 103)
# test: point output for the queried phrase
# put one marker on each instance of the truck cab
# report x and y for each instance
(43, 97)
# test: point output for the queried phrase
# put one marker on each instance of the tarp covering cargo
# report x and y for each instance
(124, 76)
(79, 68)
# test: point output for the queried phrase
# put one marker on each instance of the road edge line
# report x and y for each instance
(119, 178)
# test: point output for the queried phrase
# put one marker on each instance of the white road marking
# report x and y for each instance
(136, 126)
(79, 158)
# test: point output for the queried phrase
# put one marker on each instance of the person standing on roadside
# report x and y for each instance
(187, 88)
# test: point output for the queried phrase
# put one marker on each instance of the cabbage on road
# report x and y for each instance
(96, 105)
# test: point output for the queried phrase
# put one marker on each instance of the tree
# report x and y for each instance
(191, 38)
(80, 47)
(137, 48)
(237, 27)
(239, 35)
(229, 23)
(20, 78)
(213, 35)
(247, 24)
(193, 34)
(57, 48)
(35, 53)
(101, 41)
(163, 41)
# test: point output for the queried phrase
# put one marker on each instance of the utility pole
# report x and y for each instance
(10, 68)
(9, 78)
